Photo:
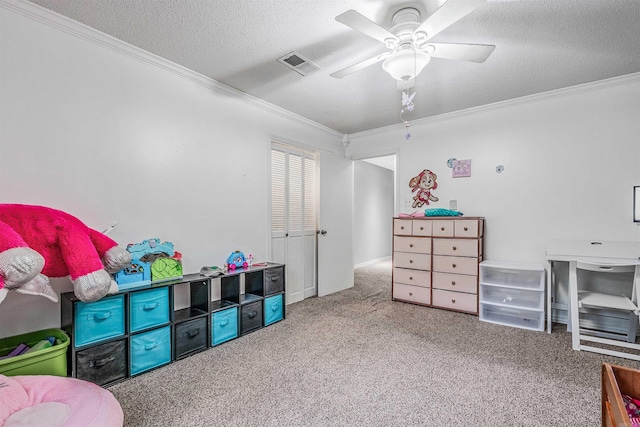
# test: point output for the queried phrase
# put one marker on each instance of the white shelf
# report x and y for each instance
(518, 318)
(512, 294)
(512, 297)
(513, 306)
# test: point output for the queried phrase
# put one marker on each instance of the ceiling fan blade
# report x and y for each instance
(447, 14)
(360, 23)
(360, 65)
(460, 51)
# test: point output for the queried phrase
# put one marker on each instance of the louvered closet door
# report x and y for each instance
(294, 218)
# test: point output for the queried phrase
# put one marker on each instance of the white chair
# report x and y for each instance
(585, 299)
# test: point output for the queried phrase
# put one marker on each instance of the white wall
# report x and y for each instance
(110, 134)
(571, 159)
(373, 209)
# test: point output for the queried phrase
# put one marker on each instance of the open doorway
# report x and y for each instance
(374, 207)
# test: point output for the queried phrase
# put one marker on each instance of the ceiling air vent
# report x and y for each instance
(298, 63)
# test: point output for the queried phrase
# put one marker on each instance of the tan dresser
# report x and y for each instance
(435, 261)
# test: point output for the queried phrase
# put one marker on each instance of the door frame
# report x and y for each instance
(381, 153)
(302, 148)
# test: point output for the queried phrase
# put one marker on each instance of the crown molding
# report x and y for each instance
(584, 87)
(82, 31)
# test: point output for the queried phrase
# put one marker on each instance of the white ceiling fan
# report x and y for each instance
(407, 42)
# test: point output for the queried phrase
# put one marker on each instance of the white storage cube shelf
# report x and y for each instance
(512, 294)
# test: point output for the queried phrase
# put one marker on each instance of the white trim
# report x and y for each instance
(82, 31)
(584, 87)
(395, 151)
(372, 261)
(302, 146)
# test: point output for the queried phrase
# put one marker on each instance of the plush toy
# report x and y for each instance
(38, 242)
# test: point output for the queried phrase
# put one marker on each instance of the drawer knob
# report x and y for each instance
(410, 278)
(421, 228)
(410, 294)
(454, 248)
(465, 229)
(410, 261)
(453, 300)
(453, 283)
(442, 228)
(410, 245)
(453, 265)
(402, 227)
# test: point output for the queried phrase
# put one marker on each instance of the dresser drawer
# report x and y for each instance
(455, 300)
(402, 227)
(409, 260)
(422, 227)
(456, 265)
(467, 228)
(456, 247)
(442, 228)
(412, 277)
(455, 282)
(411, 293)
(148, 308)
(412, 244)
(99, 320)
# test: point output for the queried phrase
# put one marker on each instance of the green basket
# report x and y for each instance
(48, 361)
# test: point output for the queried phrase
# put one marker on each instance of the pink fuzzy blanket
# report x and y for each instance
(48, 401)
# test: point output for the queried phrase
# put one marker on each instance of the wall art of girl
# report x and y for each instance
(423, 183)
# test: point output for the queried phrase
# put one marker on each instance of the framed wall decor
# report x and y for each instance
(461, 168)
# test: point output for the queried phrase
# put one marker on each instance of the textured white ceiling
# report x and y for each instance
(541, 45)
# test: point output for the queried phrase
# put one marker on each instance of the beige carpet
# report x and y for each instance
(357, 358)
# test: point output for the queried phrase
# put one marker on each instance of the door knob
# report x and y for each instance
(323, 232)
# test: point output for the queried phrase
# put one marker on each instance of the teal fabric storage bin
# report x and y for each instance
(98, 321)
(148, 309)
(150, 349)
(224, 325)
(272, 309)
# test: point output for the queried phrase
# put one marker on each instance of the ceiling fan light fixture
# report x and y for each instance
(406, 65)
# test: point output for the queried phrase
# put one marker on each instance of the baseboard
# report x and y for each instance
(373, 261)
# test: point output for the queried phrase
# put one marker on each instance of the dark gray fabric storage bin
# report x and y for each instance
(103, 364)
(190, 336)
(251, 317)
(273, 281)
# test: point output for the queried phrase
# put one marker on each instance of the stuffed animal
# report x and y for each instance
(38, 242)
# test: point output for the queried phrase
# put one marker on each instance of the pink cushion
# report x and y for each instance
(88, 403)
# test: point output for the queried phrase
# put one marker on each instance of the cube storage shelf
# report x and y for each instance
(139, 329)
(512, 294)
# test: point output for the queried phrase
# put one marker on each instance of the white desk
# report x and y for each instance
(590, 251)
